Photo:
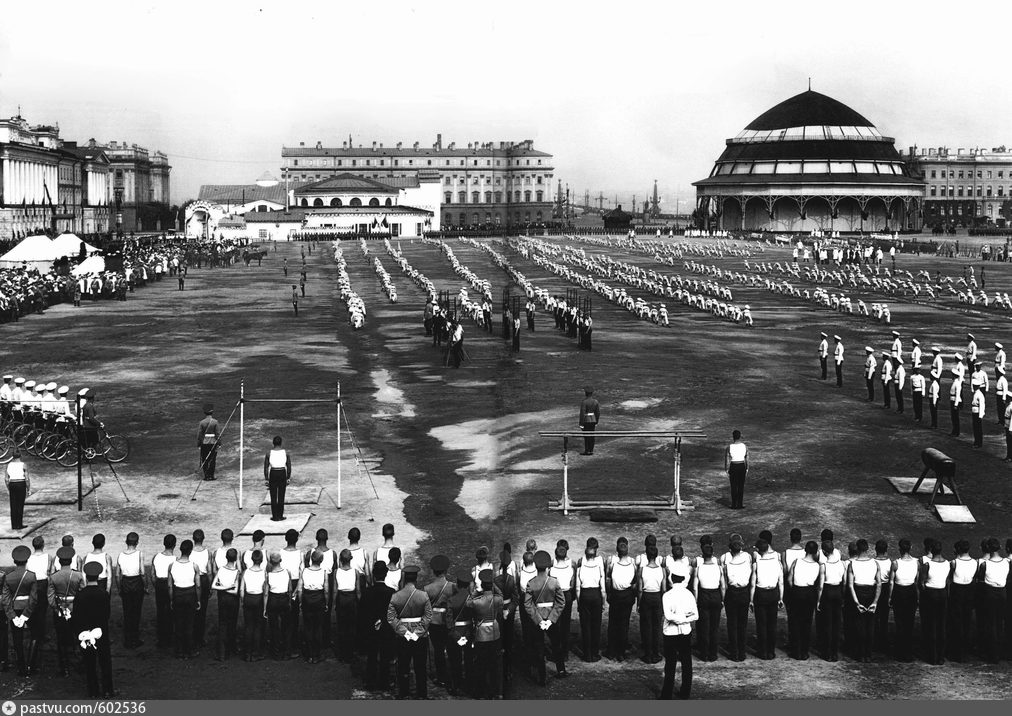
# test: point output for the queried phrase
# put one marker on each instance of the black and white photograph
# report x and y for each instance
(536, 351)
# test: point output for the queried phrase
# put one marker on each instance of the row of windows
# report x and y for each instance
(317, 203)
(981, 174)
(448, 181)
(492, 218)
(397, 162)
(807, 167)
(491, 197)
(957, 210)
(958, 191)
(818, 132)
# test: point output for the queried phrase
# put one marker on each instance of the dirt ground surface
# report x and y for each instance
(454, 460)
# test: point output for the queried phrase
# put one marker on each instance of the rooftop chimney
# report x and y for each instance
(468, 145)
(452, 145)
(416, 146)
(344, 145)
(319, 144)
(302, 144)
(439, 141)
(399, 145)
(374, 146)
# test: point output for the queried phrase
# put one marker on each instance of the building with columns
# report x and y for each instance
(482, 184)
(141, 180)
(964, 187)
(810, 163)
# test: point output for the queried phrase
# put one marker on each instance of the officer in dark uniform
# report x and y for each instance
(409, 615)
(207, 440)
(439, 591)
(590, 416)
(544, 600)
(62, 591)
(460, 636)
(377, 633)
(486, 610)
(506, 583)
(18, 597)
(90, 614)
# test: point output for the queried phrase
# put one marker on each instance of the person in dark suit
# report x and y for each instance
(90, 613)
(379, 636)
(590, 416)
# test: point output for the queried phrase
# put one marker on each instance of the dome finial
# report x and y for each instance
(809, 84)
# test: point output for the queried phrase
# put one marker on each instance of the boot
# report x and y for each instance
(32, 657)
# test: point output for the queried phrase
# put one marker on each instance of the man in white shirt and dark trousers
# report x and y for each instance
(277, 474)
(679, 613)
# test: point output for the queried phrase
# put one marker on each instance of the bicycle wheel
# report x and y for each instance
(66, 453)
(6, 448)
(30, 437)
(20, 433)
(115, 447)
(49, 445)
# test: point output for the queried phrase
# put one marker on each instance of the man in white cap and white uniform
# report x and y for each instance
(870, 364)
(62, 411)
(823, 355)
(1001, 394)
(887, 379)
(915, 354)
(999, 362)
(936, 363)
(17, 393)
(971, 349)
(897, 347)
(6, 389)
(838, 360)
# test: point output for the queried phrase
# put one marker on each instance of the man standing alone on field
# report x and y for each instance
(207, 441)
(590, 416)
(736, 464)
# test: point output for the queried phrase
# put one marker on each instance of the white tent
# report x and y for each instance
(35, 251)
(92, 264)
(70, 245)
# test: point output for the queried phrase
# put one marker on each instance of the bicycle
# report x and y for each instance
(114, 448)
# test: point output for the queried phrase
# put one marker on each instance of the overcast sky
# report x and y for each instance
(621, 93)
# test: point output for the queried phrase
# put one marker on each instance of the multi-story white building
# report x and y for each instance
(964, 187)
(141, 178)
(490, 183)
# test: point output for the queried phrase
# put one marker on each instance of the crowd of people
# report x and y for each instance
(352, 301)
(460, 629)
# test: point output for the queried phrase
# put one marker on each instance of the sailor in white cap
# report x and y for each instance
(936, 363)
(971, 349)
(1001, 394)
(28, 398)
(979, 379)
(899, 382)
(999, 362)
(934, 388)
(959, 367)
(823, 354)
(6, 390)
(838, 360)
(955, 400)
(17, 394)
(48, 400)
(887, 379)
(915, 354)
(897, 347)
(870, 365)
(977, 410)
(61, 409)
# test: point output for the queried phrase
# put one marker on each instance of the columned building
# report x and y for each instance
(484, 183)
(141, 183)
(810, 163)
(964, 187)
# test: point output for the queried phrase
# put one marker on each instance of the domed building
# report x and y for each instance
(810, 163)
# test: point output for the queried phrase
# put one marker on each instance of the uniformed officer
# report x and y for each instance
(439, 591)
(544, 600)
(917, 386)
(915, 354)
(18, 598)
(870, 366)
(91, 614)
(887, 379)
(207, 441)
(823, 352)
(899, 382)
(506, 583)
(971, 349)
(19, 484)
(999, 358)
(977, 410)
(978, 379)
(590, 416)
(459, 634)
(409, 615)
(1001, 393)
(1008, 433)
(838, 360)
(955, 400)
(897, 347)
(6, 390)
(934, 388)
(63, 587)
(936, 363)
(486, 608)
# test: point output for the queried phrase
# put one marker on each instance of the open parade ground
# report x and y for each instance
(453, 458)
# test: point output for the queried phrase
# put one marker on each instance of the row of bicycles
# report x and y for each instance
(43, 437)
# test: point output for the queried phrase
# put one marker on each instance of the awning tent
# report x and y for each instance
(35, 251)
(92, 264)
(70, 245)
